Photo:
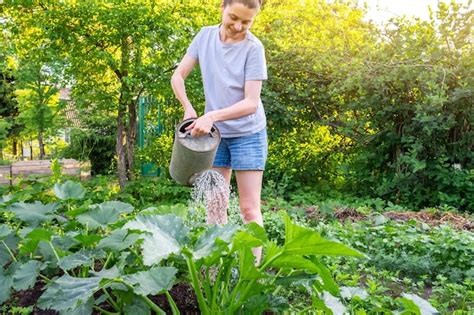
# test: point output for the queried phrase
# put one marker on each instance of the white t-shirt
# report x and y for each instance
(224, 70)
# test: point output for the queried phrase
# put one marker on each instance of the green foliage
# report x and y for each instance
(95, 144)
(57, 235)
(69, 190)
(384, 113)
(411, 250)
(298, 272)
(151, 191)
(417, 91)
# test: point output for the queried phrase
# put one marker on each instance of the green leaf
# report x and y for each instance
(304, 241)
(136, 307)
(80, 308)
(424, 307)
(110, 273)
(39, 235)
(206, 243)
(152, 281)
(311, 265)
(295, 262)
(34, 213)
(67, 292)
(118, 240)
(84, 257)
(69, 190)
(333, 303)
(380, 220)
(88, 240)
(296, 279)
(257, 231)
(245, 239)
(10, 243)
(5, 198)
(272, 250)
(410, 306)
(256, 304)
(104, 214)
(247, 268)
(31, 240)
(165, 236)
(5, 231)
(6, 283)
(328, 281)
(120, 207)
(351, 292)
(25, 276)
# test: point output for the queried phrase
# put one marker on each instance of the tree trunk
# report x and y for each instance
(41, 146)
(120, 150)
(131, 136)
(15, 148)
(125, 98)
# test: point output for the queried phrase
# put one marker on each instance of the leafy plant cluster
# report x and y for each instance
(383, 112)
(108, 254)
(94, 143)
(432, 262)
(411, 250)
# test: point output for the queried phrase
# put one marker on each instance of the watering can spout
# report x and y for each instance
(193, 178)
(192, 155)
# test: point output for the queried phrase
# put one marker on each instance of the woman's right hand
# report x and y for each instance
(190, 113)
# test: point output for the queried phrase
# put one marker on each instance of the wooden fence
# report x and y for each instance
(23, 169)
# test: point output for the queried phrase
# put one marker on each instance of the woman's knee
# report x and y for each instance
(251, 213)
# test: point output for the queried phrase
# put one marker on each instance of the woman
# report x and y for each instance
(233, 66)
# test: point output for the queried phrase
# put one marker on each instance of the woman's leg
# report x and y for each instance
(249, 184)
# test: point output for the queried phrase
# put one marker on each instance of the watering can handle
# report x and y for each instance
(188, 133)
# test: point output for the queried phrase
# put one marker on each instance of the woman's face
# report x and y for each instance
(237, 19)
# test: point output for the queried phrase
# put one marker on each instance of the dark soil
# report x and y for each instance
(184, 297)
(29, 297)
(182, 293)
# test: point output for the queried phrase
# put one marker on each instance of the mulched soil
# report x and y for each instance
(458, 221)
(351, 214)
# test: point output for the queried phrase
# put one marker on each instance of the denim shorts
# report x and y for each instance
(246, 153)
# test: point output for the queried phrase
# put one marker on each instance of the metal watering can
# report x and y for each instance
(192, 155)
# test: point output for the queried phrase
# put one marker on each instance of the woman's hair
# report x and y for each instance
(252, 4)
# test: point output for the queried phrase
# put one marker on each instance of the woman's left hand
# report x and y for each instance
(201, 126)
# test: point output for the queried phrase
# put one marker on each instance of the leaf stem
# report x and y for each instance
(111, 300)
(109, 256)
(174, 307)
(150, 303)
(44, 278)
(104, 311)
(9, 251)
(242, 298)
(153, 306)
(56, 255)
(197, 289)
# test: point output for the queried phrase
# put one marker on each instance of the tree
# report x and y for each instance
(310, 48)
(38, 103)
(8, 105)
(416, 89)
(114, 51)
